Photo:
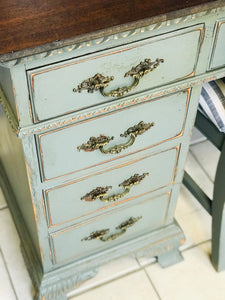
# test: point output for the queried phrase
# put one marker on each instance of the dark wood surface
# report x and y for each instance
(31, 23)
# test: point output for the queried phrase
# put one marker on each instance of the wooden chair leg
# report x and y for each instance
(218, 215)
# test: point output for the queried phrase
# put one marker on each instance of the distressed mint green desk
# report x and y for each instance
(95, 128)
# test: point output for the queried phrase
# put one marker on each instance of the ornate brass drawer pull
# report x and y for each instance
(102, 234)
(100, 142)
(101, 192)
(100, 82)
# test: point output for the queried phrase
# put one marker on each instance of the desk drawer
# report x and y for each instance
(65, 203)
(51, 88)
(58, 149)
(70, 244)
(218, 53)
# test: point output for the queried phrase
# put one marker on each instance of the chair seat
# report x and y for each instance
(212, 102)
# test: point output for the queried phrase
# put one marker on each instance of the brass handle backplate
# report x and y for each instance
(95, 143)
(102, 234)
(101, 192)
(100, 82)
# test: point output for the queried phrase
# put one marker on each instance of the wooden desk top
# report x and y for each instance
(27, 24)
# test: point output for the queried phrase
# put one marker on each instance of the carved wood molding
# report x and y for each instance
(117, 105)
(73, 45)
(68, 280)
(8, 111)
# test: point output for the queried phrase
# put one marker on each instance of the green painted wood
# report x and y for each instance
(51, 88)
(169, 258)
(207, 128)
(70, 275)
(59, 154)
(30, 153)
(218, 215)
(30, 253)
(31, 24)
(21, 95)
(68, 244)
(64, 202)
(155, 235)
(184, 148)
(126, 35)
(17, 67)
(14, 164)
(6, 82)
(216, 206)
(197, 192)
(218, 56)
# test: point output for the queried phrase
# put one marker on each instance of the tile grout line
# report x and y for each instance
(153, 285)
(196, 245)
(201, 166)
(147, 265)
(8, 273)
(187, 249)
(140, 268)
(106, 282)
(149, 278)
(3, 207)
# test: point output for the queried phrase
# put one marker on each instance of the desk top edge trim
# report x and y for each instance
(122, 31)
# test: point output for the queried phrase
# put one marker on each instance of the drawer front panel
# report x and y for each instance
(68, 244)
(58, 149)
(51, 88)
(64, 203)
(218, 53)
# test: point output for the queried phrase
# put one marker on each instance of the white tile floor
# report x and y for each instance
(128, 278)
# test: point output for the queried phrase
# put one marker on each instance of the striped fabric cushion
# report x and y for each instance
(212, 102)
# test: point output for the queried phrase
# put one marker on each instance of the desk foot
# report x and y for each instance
(170, 258)
(59, 296)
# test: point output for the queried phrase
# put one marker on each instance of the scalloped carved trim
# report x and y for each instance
(8, 111)
(105, 39)
(55, 287)
(51, 125)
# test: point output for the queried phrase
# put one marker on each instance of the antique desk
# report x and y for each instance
(98, 101)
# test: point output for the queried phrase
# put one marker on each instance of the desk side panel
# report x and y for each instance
(12, 159)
